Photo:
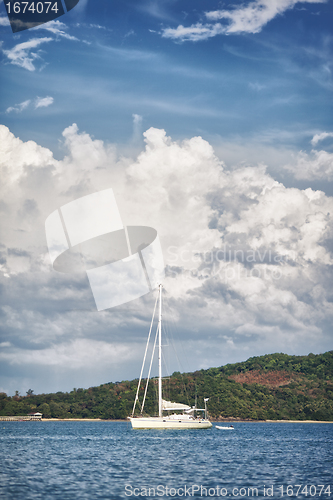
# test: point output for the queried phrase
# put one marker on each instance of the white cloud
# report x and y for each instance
(4, 21)
(313, 166)
(98, 26)
(320, 137)
(249, 260)
(137, 119)
(80, 353)
(250, 18)
(39, 102)
(43, 102)
(253, 17)
(16, 155)
(57, 28)
(193, 33)
(18, 108)
(22, 55)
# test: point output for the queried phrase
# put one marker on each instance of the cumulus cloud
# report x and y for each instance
(16, 156)
(316, 165)
(250, 18)
(312, 166)
(22, 54)
(43, 102)
(249, 261)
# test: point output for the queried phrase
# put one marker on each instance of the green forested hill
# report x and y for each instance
(274, 386)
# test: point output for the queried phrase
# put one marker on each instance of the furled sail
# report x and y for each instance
(167, 405)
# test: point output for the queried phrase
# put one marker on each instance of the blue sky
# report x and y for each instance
(118, 63)
(243, 91)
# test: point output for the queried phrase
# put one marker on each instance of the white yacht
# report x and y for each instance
(168, 412)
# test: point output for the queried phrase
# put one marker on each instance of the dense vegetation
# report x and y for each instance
(275, 386)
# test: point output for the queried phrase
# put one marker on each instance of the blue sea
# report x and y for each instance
(109, 460)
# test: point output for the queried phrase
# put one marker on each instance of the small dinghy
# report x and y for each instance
(223, 427)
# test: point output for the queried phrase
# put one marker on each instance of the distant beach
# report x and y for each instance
(80, 420)
(216, 422)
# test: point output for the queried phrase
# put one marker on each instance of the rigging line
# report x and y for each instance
(172, 342)
(165, 354)
(172, 324)
(144, 360)
(151, 362)
(156, 396)
(165, 361)
(166, 377)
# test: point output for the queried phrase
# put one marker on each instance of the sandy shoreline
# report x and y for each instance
(213, 421)
(80, 420)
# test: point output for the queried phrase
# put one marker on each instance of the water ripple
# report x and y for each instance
(96, 460)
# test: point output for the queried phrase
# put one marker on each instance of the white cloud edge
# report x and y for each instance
(38, 102)
(320, 137)
(245, 19)
(43, 102)
(22, 55)
(18, 108)
(4, 21)
(57, 28)
(313, 166)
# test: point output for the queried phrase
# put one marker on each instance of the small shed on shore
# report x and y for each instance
(35, 416)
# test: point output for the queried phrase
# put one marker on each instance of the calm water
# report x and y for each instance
(98, 460)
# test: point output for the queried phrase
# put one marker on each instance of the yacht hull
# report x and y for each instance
(164, 423)
(184, 420)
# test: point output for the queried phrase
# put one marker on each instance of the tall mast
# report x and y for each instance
(160, 355)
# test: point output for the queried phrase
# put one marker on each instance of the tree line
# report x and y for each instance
(275, 386)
